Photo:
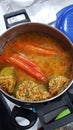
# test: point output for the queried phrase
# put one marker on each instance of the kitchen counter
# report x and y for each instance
(43, 11)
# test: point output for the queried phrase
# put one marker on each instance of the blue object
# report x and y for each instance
(64, 21)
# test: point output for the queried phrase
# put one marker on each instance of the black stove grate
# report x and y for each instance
(5, 115)
(64, 102)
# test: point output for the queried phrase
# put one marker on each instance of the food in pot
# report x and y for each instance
(24, 63)
(32, 91)
(7, 79)
(57, 84)
(42, 66)
(36, 49)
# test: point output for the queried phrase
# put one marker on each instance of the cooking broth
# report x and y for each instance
(52, 65)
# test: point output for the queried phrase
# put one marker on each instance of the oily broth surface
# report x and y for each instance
(60, 64)
(51, 65)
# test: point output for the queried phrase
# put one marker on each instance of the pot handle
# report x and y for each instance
(16, 17)
(24, 113)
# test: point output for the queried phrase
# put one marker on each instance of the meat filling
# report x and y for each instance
(31, 91)
(57, 84)
(7, 83)
(7, 79)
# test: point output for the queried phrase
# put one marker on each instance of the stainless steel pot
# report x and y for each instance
(37, 27)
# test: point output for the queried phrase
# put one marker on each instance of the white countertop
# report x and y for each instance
(43, 11)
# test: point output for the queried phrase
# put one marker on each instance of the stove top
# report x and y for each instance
(44, 115)
(5, 118)
(59, 104)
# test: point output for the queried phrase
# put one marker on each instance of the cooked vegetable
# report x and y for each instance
(7, 79)
(36, 49)
(7, 71)
(31, 91)
(57, 84)
(25, 64)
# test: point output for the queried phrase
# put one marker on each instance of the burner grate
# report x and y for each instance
(64, 102)
(5, 115)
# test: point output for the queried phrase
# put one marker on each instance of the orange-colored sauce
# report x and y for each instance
(59, 64)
